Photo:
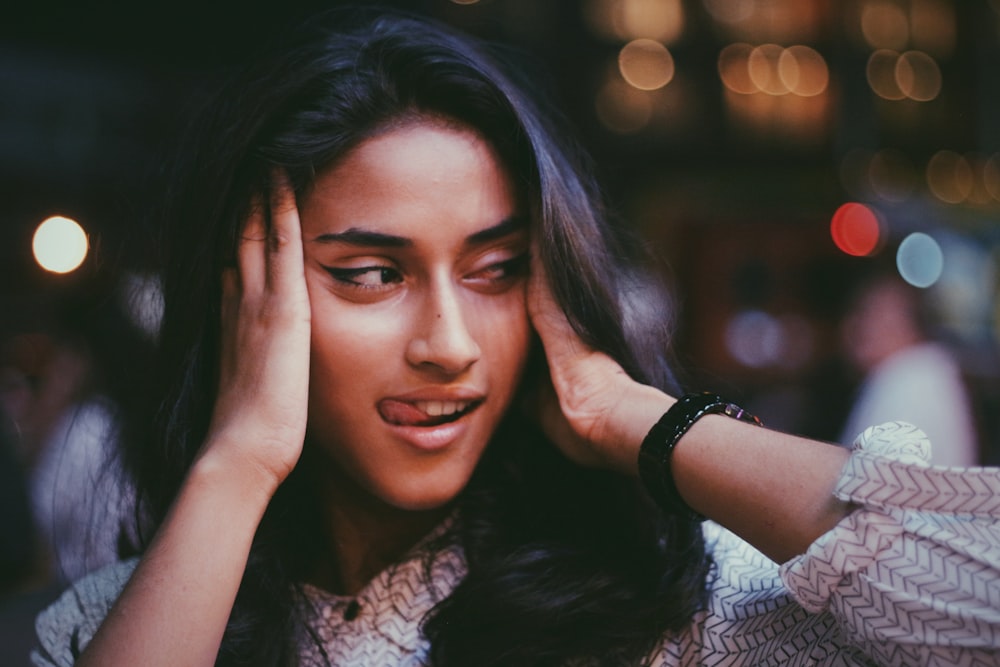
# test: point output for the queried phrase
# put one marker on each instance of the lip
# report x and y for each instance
(456, 393)
(439, 436)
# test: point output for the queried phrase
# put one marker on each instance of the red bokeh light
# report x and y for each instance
(856, 229)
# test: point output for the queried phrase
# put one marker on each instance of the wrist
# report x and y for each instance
(227, 467)
(639, 410)
(655, 458)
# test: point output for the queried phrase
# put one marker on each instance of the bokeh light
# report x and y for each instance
(884, 25)
(660, 20)
(918, 76)
(781, 21)
(734, 70)
(755, 338)
(856, 229)
(949, 177)
(763, 67)
(804, 71)
(772, 69)
(60, 244)
(881, 73)
(932, 24)
(727, 11)
(646, 64)
(920, 260)
(894, 76)
(991, 176)
(980, 194)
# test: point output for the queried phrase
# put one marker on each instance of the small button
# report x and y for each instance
(352, 610)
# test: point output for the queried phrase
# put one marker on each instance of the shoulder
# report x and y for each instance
(65, 627)
(922, 363)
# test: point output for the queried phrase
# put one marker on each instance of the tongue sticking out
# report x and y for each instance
(406, 414)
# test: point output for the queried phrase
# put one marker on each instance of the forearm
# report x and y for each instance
(772, 489)
(175, 607)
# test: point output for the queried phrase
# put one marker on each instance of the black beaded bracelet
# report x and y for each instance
(658, 446)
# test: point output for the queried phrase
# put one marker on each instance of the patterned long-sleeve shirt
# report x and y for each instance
(911, 577)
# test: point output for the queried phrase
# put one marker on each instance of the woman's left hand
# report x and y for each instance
(593, 411)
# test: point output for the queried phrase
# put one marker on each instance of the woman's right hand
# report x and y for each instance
(259, 418)
(175, 607)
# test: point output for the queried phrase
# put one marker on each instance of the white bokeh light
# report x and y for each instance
(920, 260)
(60, 244)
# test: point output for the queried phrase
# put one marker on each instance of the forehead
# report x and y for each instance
(418, 173)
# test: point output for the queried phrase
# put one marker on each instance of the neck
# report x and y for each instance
(364, 534)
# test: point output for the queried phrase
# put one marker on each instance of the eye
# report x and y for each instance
(366, 277)
(497, 275)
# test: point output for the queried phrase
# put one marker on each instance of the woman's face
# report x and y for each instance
(415, 255)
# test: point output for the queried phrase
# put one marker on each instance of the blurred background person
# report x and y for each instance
(907, 375)
(66, 375)
(66, 369)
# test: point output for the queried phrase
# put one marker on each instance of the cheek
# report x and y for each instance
(345, 343)
(504, 333)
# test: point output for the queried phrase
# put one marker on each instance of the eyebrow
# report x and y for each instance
(364, 238)
(367, 238)
(505, 227)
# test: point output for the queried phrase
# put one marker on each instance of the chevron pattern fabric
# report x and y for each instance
(911, 578)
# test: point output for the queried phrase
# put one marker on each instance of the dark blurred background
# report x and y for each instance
(730, 134)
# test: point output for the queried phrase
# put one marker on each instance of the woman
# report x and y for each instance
(409, 434)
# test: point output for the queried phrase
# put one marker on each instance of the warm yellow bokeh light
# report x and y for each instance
(60, 245)
(980, 194)
(646, 64)
(734, 70)
(991, 176)
(885, 25)
(661, 20)
(804, 71)
(932, 23)
(763, 65)
(914, 75)
(881, 73)
(918, 76)
(773, 70)
(949, 176)
(780, 21)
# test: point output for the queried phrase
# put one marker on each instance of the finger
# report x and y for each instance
(230, 292)
(548, 318)
(250, 255)
(284, 253)
(229, 313)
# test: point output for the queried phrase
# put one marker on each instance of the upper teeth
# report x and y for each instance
(438, 408)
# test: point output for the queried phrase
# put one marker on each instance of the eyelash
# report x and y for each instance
(388, 276)
(509, 268)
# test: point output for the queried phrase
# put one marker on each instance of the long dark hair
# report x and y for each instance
(563, 562)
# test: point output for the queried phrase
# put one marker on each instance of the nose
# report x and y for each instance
(441, 339)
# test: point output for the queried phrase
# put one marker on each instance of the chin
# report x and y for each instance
(424, 497)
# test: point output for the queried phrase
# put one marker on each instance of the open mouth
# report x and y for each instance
(424, 413)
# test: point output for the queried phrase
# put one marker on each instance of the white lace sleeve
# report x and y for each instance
(912, 576)
(68, 625)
